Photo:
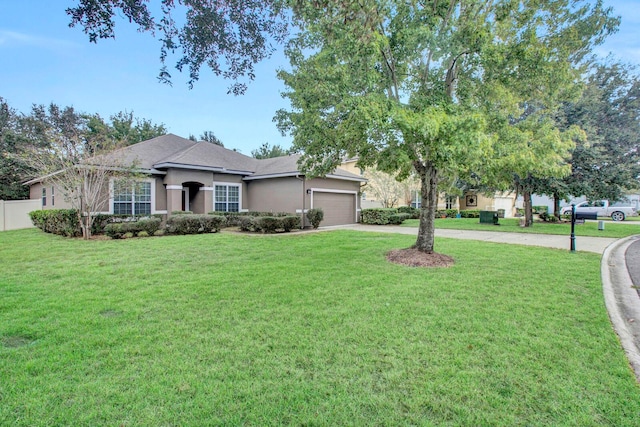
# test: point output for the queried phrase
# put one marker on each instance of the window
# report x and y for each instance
(450, 202)
(132, 198)
(53, 201)
(44, 196)
(226, 198)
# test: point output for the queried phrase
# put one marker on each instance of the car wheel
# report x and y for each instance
(617, 216)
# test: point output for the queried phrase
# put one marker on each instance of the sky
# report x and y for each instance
(42, 61)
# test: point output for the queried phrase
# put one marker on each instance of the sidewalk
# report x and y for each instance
(619, 269)
(587, 244)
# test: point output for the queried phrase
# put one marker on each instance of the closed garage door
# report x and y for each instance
(338, 208)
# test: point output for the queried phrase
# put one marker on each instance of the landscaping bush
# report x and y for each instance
(267, 224)
(118, 230)
(379, 216)
(245, 223)
(195, 224)
(399, 218)
(63, 222)
(546, 217)
(414, 213)
(290, 222)
(470, 213)
(540, 209)
(315, 217)
(233, 218)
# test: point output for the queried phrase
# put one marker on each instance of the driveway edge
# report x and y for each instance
(622, 300)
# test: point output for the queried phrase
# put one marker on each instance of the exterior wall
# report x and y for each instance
(14, 214)
(333, 184)
(350, 166)
(483, 203)
(161, 194)
(179, 176)
(275, 195)
(35, 193)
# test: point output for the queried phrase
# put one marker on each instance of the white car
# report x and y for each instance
(602, 208)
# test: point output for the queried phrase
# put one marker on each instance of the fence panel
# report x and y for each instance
(14, 214)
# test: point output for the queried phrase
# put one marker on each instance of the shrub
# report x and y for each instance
(128, 235)
(470, 213)
(159, 233)
(414, 213)
(267, 224)
(118, 230)
(194, 224)
(143, 234)
(379, 216)
(181, 213)
(245, 223)
(290, 222)
(540, 209)
(399, 218)
(63, 222)
(315, 217)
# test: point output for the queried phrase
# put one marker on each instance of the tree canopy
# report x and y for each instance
(440, 88)
(227, 36)
(267, 151)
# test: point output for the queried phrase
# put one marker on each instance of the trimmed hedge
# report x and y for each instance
(141, 228)
(195, 224)
(413, 212)
(446, 213)
(315, 217)
(399, 218)
(63, 222)
(100, 221)
(269, 224)
(470, 213)
(378, 216)
(233, 218)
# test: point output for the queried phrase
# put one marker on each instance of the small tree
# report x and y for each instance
(209, 136)
(315, 217)
(72, 159)
(267, 151)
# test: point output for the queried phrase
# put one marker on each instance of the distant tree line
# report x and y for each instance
(23, 134)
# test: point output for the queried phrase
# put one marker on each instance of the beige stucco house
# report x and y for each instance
(470, 200)
(182, 175)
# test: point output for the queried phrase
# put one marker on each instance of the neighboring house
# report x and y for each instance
(183, 175)
(470, 200)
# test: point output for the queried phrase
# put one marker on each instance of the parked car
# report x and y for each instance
(602, 208)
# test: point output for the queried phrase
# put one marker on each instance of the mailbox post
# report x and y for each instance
(573, 227)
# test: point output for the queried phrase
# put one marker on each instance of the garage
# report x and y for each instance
(339, 207)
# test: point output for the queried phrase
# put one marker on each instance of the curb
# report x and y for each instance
(622, 300)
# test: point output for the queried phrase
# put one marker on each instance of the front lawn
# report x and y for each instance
(303, 329)
(589, 228)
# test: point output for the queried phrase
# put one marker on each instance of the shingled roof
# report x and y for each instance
(172, 151)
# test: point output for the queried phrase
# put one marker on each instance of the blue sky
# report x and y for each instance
(43, 61)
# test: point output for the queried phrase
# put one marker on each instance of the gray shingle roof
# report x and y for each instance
(173, 151)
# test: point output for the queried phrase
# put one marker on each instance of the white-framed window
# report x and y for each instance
(44, 196)
(226, 197)
(132, 197)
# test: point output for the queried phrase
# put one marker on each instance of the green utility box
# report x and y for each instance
(489, 217)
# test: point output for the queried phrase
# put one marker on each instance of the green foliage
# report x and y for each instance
(290, 222)
(315, 217)
(414, 213)
(266, 224)
(267, 152)
(399, 218)
(63, 222)
(540, 209)
(101, 221)
(119, 230)
(442, 91)
(210, 137)
(470, 213)
(379, 216)
(446, 213)
(195, 224)
(13, 169)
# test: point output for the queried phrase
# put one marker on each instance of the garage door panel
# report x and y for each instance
(338, 208)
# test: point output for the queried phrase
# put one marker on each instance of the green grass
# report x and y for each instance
(303, 329)
(589, 228)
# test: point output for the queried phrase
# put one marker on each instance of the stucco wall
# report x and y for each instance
(179, 176)
(275, 195)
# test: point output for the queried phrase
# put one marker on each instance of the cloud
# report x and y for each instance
(15, 39)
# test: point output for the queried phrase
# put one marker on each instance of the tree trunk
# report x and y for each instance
(556, 206)
(528, 208)
(429, 202)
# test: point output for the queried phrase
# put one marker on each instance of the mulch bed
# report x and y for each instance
(414, 258)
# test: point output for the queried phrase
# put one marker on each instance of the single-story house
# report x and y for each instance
(182, 175)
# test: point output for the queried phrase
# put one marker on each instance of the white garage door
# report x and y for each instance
(338, 208)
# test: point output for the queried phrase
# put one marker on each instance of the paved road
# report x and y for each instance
(632, 258)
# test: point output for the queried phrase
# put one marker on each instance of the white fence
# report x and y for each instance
(15, 214)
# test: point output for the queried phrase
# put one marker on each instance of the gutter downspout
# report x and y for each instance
(303, 200)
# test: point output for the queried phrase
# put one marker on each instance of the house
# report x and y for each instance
(182, 175)
(470, 200)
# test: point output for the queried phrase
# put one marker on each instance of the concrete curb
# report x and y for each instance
(621, 300)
